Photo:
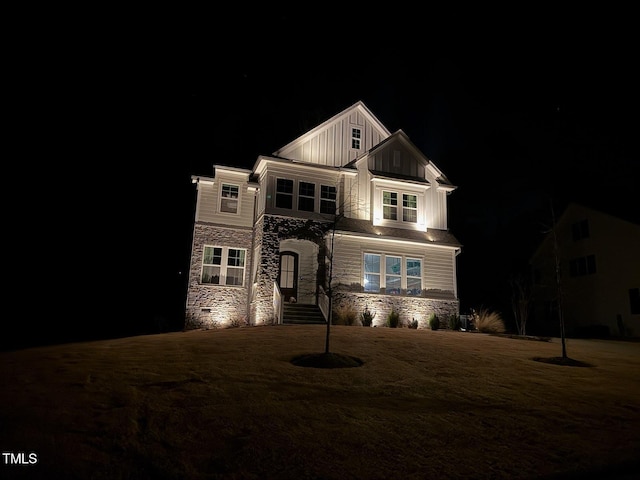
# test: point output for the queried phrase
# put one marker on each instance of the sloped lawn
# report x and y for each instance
(231, 404)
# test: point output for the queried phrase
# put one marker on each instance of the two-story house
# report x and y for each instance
(598, 286)
(348, 200)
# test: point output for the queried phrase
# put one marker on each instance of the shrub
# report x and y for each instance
(366, 317)
(434, 322)
(344, 315)
(413, 324)
(486, 321)
(454, 322)
(393, 319)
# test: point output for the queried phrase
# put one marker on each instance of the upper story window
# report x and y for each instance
(389, 205)
(355, 138)
(328, 195)
(582, 266)
(306, 196)
(284, 193)
(223, 266)
(229, 198)
(409, 208)
(580, 230)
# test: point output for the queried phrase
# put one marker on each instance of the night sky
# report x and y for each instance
(519, 116)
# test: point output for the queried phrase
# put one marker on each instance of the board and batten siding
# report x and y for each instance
(209, 204)
(438, 264)
(331, 146)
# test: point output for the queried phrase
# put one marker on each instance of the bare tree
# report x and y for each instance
(520, 301)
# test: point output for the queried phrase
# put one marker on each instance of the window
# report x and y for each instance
(393, 277)
(371, 272)
(409, 208)
(306, 196)
(582, 266)
(390, 267)
(580, 230)
(229, 198)
(414, 276)
(284, 193)
(223, 266)
(355, 138)
(634, 300)
(328, 196)
(389, 205)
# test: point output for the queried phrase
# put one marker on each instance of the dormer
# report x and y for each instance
(406, 190)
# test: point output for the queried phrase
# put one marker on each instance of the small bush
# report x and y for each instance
(366, 317)
(393, 319)
(413, 324)
(486, 321)
(454, 322)
(344, 315)
(434, 322)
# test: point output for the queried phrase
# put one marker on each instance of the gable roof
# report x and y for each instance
(358, 106)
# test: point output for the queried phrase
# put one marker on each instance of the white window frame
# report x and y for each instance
(410, 209)
(224, 266)
(407, 276)
(381, 186)
(222, 197)
(383, 274)
(292, 194)
(313, 209)
(356, 138)
(325, 199)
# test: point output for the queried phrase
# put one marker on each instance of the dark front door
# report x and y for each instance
(288, 277)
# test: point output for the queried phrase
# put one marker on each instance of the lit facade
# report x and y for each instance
(348, 199)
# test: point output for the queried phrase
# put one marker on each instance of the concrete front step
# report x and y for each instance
(299, 313)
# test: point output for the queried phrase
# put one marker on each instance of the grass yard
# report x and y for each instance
(230, 404)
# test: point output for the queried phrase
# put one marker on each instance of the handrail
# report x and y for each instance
(323, 302)
(278, 306)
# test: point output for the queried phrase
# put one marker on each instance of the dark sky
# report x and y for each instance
(516, 110)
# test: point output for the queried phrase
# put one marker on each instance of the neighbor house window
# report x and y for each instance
(284, 193)
(306, 196)
(414, 276)
(582, 266)
(393, 275)
(328, 195)
(223, 265)
(580, 230)
(355, 138)
(409, 208)
(634, 300)
(229, 198)
(389, 205)
(371, 272)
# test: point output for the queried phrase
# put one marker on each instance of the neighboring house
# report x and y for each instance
(264, 239)
(599, 259)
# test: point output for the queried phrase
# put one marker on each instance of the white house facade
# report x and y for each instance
(347, 201)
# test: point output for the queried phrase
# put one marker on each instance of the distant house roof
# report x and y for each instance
(366, 228)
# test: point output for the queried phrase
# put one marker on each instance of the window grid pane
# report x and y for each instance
(410, 208)
(389, 205)
(284, 193)
(393, 270)
(328, 196)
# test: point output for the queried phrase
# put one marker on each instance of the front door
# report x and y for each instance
(288, 277)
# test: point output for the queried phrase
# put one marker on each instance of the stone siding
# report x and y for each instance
(409, 308)
(211, 306)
